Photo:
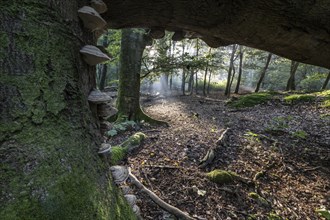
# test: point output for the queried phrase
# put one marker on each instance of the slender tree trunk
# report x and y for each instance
(49, 137)
(231, 64)
(324, 86)
(205, 73)
(208, 84)
(263, 73)
(196, 74)
(241, 54)
(183, 82)
(104, 70)
(205, 77)
(232, 78)
(104, 67)
(191, 81)
(291, 85)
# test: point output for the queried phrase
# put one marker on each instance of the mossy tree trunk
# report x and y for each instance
(133, 43)
(49, 139)
(291, 84)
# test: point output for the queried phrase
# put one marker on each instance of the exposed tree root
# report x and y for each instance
(171, 209)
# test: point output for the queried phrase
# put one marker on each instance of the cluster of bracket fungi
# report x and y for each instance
(90, 16)
(92, 55)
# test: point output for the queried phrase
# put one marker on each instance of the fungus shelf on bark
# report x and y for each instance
(91, 18)
(99, 6)
(93, 55)
(104, 149)
(106, 110)
(98, 97)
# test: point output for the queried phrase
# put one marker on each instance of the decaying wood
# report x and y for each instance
(164, 205)
(210, 154)
(298, 30)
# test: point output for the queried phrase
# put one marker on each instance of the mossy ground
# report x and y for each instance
(295, 98)
(221, 176)
(250, 100)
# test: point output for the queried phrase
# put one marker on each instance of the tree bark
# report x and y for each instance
(298, 30)
(240, 69)
(324, 86)
(291, 85)
(263, 73)
(132, 46)
(49, 138)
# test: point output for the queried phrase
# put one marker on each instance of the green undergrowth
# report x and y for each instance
(250, 100)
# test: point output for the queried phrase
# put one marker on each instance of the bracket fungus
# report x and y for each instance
(98, 97)
(99, 6)
(104, 149)
(93, 55)
(119, 174)
(91, 18)
(106, 110)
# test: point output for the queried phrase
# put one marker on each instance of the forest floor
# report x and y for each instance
(287, 146)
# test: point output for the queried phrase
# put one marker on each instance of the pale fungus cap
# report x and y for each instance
(98, 97)
(93, 55)
(91, 18)
(99, 6)
(104, 149)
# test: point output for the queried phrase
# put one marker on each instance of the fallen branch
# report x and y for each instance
(210, 154)
(169, 208)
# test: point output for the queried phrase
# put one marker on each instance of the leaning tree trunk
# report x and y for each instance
(324, 86)
(263, 73)
(49, 139)
(231, 65)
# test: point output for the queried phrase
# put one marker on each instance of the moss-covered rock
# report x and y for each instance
(221, 176)
(133, 141)
(250, 100)
(258, 199)
(295, 98)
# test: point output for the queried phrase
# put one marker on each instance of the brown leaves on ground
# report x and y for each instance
(285, 149)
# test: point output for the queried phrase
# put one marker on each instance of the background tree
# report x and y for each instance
(240, 68)
(291, 85)
(263, 73)
(133, 42)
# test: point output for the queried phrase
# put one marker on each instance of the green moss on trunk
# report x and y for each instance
(49, 141)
